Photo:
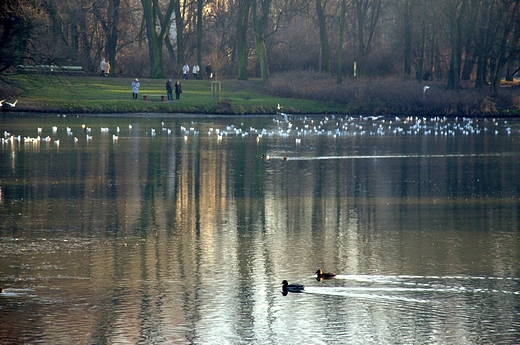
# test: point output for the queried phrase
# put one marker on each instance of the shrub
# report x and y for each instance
(386, 95)
(8, 89)
(223, 107)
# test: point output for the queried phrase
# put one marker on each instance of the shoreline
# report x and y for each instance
(108, 97)
(36, 113)
(141, 114)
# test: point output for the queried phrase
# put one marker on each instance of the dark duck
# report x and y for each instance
(286, 287)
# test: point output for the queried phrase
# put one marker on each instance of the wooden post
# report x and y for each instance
(215, 90)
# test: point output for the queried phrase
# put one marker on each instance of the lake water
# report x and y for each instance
(179, 230)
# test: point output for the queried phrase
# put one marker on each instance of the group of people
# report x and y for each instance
(195, 71)
(104, 66)
(169, 89)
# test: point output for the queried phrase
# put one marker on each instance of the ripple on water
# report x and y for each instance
(169, 250)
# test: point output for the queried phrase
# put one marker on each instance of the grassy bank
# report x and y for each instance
(87, 94)
(308, 93)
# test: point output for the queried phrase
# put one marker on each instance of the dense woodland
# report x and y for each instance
(450, 40)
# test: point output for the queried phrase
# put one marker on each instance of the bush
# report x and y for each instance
(8, 89)
(386, 95)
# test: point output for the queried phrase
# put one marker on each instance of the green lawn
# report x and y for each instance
(98, 94)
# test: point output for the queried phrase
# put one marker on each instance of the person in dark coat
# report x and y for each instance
(209, 71)
(169, 89)
(178, 89)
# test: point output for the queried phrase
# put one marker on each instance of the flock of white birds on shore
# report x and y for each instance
(298, 127)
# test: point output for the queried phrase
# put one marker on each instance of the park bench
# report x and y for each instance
(50, 69)
(148, 98)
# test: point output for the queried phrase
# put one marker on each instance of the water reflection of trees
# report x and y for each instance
(187, 231)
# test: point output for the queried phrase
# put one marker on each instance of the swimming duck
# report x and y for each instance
(286, 287)
(328, 275)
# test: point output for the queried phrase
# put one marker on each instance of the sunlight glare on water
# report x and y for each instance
(173, 230)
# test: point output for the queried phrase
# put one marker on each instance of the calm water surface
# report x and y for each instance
(176, 230)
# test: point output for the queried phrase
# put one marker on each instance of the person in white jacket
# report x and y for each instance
(195, 71)
(102, 67)
(185, 71)
(135, 88)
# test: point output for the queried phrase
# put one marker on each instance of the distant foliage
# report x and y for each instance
(388, 95)
(461, 44)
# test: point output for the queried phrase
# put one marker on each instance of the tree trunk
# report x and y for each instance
(497, 66)
(481, 51)
(242, 25)
(454, 14)
(480, 77)
(152, 13)
(324, 38)
(437, 60)
(260, 21)
(339, 73)
(422, 53)
(469, 58)
(454, 71)
(261, 53)
(407, 22)
(154, 46)
(113, 35)
(179, 26)
(200, 4)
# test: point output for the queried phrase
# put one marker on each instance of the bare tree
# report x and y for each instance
(109, 20)
(324, 37)
(367, 14)
(506, 39)
(16, 28)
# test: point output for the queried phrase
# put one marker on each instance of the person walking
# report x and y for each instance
(178, 89)
(135, 88)
(185, 71)
(209, 71)
(195, 71)
(102, 67)
(107, 68)
(169, 89)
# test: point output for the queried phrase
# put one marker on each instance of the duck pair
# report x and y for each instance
(286, 287)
